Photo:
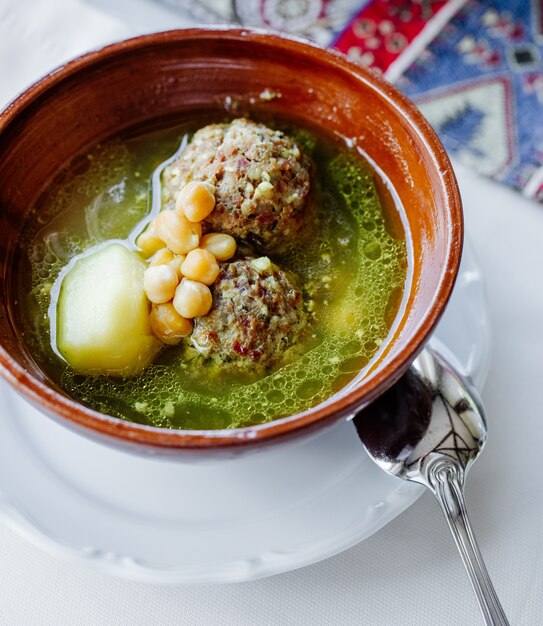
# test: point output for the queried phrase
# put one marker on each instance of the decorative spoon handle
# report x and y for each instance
(445, 480)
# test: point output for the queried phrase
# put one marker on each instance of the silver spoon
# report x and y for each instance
(429, 428)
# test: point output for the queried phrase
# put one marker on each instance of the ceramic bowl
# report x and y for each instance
(164, 75)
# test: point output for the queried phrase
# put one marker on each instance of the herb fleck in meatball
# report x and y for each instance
(257, 315)
(262, 182)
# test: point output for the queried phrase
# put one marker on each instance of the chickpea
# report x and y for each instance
(149, 241)
(180, 235)
(200, 265)
(196, 200)
(159, 283)
(192, 299)
(161, 257)
(168, 325)
(176, 262)
(221, 246)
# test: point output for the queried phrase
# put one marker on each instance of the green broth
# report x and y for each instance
(352, 267)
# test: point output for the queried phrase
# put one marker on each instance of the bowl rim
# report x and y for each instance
(81, 417)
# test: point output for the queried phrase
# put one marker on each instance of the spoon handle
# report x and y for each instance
(446, 482)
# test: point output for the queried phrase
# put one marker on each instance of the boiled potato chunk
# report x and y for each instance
(103, 314)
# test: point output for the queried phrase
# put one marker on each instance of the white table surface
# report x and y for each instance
(409, 572)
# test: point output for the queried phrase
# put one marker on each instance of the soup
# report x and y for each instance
(347, 261)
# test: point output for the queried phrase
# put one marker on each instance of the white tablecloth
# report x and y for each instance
(409, 573)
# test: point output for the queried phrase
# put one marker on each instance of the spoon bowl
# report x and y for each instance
(429, 414)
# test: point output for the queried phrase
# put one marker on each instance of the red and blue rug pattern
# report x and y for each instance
(475, 70)
(474, 67)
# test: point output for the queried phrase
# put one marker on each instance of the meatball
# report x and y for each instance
(257, 315)
(261, 177)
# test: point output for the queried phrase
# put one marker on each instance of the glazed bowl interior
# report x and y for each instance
(166, 76)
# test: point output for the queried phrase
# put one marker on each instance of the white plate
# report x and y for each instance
(162, 521)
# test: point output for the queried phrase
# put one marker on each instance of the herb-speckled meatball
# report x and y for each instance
(257, 315)
(261, 177)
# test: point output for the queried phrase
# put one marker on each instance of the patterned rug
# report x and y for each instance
(472, 66)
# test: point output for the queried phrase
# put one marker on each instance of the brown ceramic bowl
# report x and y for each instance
(172, 73)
